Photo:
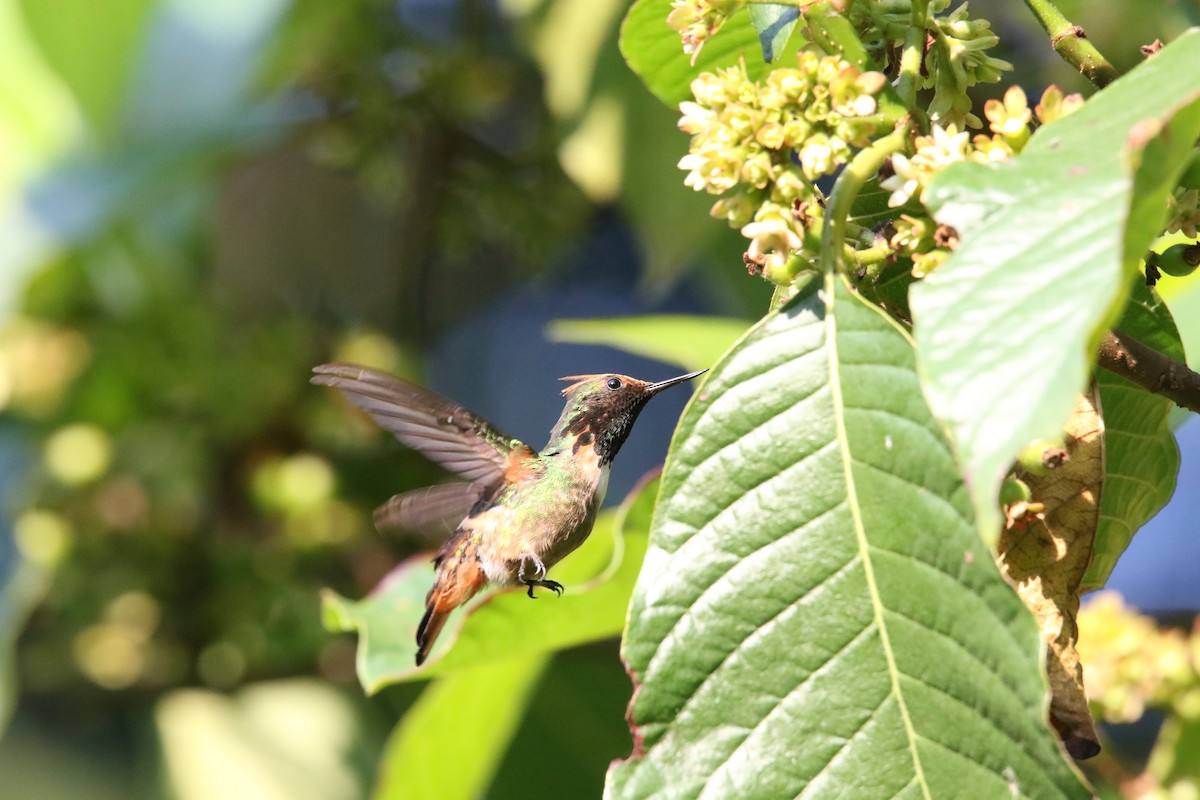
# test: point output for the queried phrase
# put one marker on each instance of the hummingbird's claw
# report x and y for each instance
(553, 586)
(539, 569)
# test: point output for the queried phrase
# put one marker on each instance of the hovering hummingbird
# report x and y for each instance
(518, 513)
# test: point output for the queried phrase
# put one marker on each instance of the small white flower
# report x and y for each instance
(816, 158)
(902, 184)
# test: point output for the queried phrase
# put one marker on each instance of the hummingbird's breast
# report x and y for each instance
(549, 515)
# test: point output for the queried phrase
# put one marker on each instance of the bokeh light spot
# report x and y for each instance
(42, 536)
(221, 665)
(78, 454)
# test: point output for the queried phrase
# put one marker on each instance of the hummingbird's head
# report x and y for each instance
(601, 409)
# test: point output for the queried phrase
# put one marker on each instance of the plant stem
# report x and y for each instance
(849, 184)
(834, 34)
(1071, 43)
(1150, 369)
(874, 256)
(914, 53)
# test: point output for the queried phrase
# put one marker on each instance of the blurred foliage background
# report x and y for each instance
(200, 200)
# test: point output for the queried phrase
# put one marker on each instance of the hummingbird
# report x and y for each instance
(516, 512)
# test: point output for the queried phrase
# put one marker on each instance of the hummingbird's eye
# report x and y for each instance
(613, 383)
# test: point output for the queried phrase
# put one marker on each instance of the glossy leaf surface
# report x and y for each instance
(817, 616)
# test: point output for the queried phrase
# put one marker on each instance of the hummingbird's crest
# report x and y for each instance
(580, 380)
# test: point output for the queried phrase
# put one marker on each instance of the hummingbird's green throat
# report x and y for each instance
(517, 513)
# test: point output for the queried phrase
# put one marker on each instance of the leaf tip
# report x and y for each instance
(335, 616)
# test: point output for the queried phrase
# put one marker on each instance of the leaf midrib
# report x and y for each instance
(864, 547)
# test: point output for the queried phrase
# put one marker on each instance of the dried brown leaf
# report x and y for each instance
(1045, 554)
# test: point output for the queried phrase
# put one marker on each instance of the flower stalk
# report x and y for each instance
(1072, 45)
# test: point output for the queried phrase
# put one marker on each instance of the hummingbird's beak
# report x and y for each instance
(655, 388)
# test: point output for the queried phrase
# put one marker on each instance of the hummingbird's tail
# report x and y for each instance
(458, 579)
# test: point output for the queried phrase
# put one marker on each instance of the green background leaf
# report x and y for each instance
(774, 25)
(1176, 755)
(691, 342)
(1141, 459)
(293, 738)
(655, 52)
(93, 47)
(473, 711)
(817, 615)
(1007, 328)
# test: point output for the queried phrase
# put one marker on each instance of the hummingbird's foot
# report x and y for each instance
(553, 586)
(537, 576)
(537, 568)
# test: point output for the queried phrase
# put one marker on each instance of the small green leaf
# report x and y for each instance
(691, 342)
(1175, 759)
(774, 25)
(655, 52)
(817, 615)
(598, 577)
(1141, 460)
(473, 711)
(1007, 328)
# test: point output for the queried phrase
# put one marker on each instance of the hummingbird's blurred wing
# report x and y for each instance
(434, 510)
(442, 431)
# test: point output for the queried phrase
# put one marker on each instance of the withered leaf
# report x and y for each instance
(1045, 554)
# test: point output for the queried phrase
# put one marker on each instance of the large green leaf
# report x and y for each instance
(1007, 328)
(476, 711)
(599, 579)
(171, 131)
(623, 146)
(93, 49)
(294, 739)
(655, 52)
(817, 616)
(691, 342)
(1141, 457)
(674, 227)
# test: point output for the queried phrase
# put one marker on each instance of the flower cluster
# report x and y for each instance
(698, 20)
(912, 175)
(1130, 663)
(1009, 120)
(762, 144)
(956, 60)
(956, 56)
